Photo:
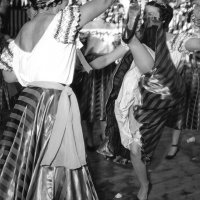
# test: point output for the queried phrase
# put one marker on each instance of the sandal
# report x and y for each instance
(130, 25)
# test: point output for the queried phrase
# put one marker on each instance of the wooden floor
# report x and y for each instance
(177, 179)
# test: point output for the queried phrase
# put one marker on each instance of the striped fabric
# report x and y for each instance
(63, 184)
(162, 92)
(92, 96)
(191, 75)
(22, 147)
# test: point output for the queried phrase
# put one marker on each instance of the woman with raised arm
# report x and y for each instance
(156, 96)
(147, 89)
(181, 46)
(42, 153)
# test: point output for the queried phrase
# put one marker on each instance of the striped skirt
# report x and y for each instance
(191, 73)
(93, 92)
(22, 146)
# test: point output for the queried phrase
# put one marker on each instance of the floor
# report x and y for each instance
(176, 179)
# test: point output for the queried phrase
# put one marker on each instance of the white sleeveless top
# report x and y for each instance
(53, 57)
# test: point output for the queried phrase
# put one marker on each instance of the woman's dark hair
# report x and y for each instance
(148, 34)
(166, 12)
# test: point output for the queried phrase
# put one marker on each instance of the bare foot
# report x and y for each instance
(144, 192)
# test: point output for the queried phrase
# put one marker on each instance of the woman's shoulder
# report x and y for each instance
(32, 31)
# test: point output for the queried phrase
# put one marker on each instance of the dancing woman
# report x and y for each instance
(42, 153)
(150, 90)
(157, 96)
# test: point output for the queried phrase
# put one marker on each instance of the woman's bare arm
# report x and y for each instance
(193, 44)
(142, 58)
(109, 58)
(92, 9)
(9, 77)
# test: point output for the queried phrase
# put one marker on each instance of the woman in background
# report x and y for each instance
(184, 48)
(147, 89)
(100, 37)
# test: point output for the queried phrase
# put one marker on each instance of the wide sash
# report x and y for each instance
(66, 144)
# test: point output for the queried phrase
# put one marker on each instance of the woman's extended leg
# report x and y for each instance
(140, 170)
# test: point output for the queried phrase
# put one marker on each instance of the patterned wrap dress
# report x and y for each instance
(42, 152)
(156, 97)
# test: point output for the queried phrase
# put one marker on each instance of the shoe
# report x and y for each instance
(133, 15)
(169, 157)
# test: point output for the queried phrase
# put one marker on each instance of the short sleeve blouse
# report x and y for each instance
(53, 57)
(177, 48)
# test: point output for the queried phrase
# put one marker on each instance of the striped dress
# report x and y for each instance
(189, 68)
(162, 98)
